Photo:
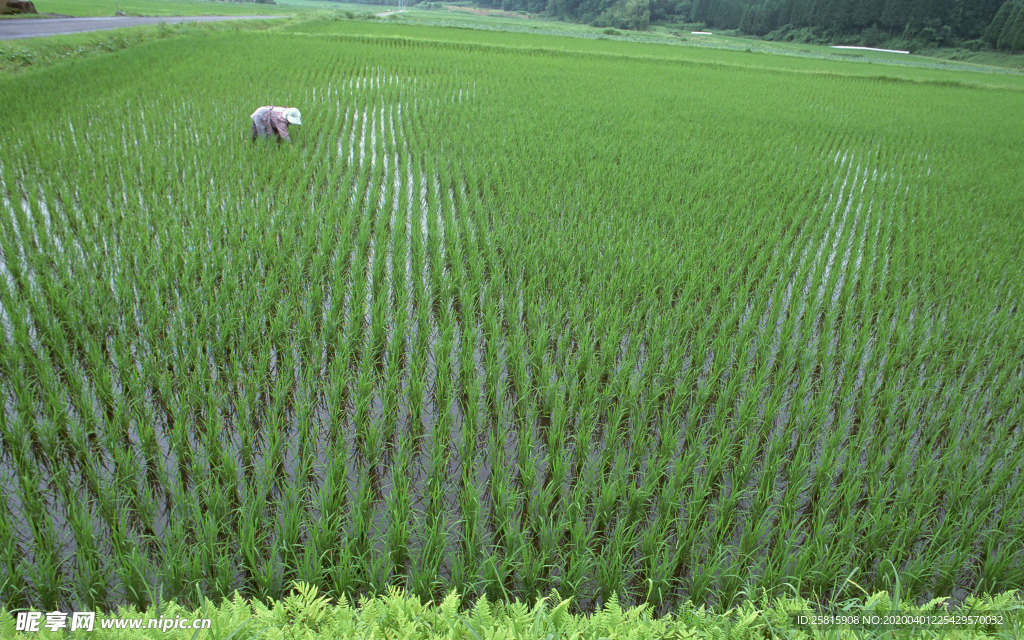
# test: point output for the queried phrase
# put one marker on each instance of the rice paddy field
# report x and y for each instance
(507, 318)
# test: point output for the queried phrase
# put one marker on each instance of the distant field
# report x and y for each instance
(474, 19)
(992, 58)
(514, 313)
(716, 50)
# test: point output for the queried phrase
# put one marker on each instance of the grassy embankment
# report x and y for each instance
(89, 8)
(20, 55)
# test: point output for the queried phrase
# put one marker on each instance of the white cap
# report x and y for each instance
(292, 116)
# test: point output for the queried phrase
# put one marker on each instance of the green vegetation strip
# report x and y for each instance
(716, 51)
(505, 321)
(22, 55)
(307, 614)
(164, 7)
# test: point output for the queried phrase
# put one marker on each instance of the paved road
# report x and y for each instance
(37, 27)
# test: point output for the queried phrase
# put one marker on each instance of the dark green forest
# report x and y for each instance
(996, 23)
(908, 24)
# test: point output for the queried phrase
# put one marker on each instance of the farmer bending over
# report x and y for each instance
(267, 121)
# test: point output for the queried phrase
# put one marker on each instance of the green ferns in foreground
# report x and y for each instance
(307, 614)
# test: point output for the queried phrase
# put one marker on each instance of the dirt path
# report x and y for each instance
(36, 28)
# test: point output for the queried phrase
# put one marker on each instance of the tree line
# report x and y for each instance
(910, 23)
(1006, 31)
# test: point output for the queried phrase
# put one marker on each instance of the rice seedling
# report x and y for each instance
(506, 320)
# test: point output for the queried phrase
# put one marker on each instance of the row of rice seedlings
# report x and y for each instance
(578, 393)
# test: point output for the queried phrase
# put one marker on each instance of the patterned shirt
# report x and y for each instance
(269, 120)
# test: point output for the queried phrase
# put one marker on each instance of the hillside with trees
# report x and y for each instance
(1006, 31)
(912, 23)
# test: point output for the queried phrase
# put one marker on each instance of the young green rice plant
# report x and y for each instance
(431, 522)
(399, 509)
(454, 337)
